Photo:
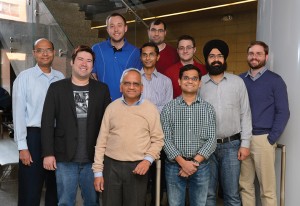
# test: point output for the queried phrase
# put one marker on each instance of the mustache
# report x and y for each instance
(216, 62)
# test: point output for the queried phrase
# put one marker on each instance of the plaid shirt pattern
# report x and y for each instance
(189, 129)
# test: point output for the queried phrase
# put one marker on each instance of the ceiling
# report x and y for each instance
(98, 10)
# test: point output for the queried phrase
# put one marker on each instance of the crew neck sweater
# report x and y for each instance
(129, 133)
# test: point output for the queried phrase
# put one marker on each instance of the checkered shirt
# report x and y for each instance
(189, 129)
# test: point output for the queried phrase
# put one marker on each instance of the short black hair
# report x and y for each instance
(158, 22)
(113, 15)
(81, 48)
(189, 67)
(186, 37)
(150, 44)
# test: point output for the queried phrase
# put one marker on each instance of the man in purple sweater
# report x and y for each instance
(270, 113)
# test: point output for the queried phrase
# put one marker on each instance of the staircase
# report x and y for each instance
(73, 22)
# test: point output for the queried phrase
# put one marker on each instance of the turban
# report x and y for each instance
(216, 44)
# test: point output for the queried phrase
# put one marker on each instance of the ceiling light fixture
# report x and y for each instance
(185, 12)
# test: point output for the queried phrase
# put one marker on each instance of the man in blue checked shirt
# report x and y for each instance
(189, 125)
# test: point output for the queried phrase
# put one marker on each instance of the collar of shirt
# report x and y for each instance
(154, 74)
(39, 72)
(140, 101)
(206, 78)
(114, 48)
(258, 75)
(180, 100)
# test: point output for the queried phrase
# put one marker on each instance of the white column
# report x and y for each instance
(278, 24)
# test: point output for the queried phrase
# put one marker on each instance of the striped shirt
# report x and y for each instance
(189, 129)
(158, 89)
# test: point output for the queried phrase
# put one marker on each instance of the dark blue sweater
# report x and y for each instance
(269, 104)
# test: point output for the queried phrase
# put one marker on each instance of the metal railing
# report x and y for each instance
(282, 173)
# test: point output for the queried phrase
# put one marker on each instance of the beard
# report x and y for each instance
(259, 65)
(216, 67)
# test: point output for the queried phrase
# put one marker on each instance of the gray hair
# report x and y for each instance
(128, 70)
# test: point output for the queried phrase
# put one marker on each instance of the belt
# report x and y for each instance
(228, 139)
(33, 129)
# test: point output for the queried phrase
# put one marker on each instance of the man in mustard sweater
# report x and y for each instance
(130, 139)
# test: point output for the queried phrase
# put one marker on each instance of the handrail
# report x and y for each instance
(283, 172)
(158, 177)
(135, 14)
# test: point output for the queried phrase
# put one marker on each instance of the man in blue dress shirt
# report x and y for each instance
(29, 91)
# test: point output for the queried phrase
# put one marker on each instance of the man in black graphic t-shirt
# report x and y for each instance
(71, 120)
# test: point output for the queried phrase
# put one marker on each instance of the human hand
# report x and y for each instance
(188, 167)
(49, 163)
(142, 168)
(25, 157)
(99, 184)
(243, 153)
(182, 173)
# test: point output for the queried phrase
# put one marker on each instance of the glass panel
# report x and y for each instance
(22, 23)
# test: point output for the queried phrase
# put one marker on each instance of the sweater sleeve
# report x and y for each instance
(282, 112)
(101, 143)
(156, 135)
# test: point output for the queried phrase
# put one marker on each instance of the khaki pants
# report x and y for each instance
(260, 162)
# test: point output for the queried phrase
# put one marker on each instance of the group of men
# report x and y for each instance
(216, 129)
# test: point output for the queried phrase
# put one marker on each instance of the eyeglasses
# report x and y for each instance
(182, 48)
(215, 56)
(134, 84)
(258, 54)
(43, 51)
(194, 79)
(157, 30)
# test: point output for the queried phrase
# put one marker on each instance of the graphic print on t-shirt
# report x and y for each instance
(81, 101)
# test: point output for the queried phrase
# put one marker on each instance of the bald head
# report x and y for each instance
(40, 40)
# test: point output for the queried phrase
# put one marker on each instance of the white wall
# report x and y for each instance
(278, 24)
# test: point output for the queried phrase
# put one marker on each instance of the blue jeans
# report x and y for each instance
(197, 184)
(225, 165)
(70, 175)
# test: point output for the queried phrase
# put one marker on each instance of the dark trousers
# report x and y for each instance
(121, 186)
(32, 178)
